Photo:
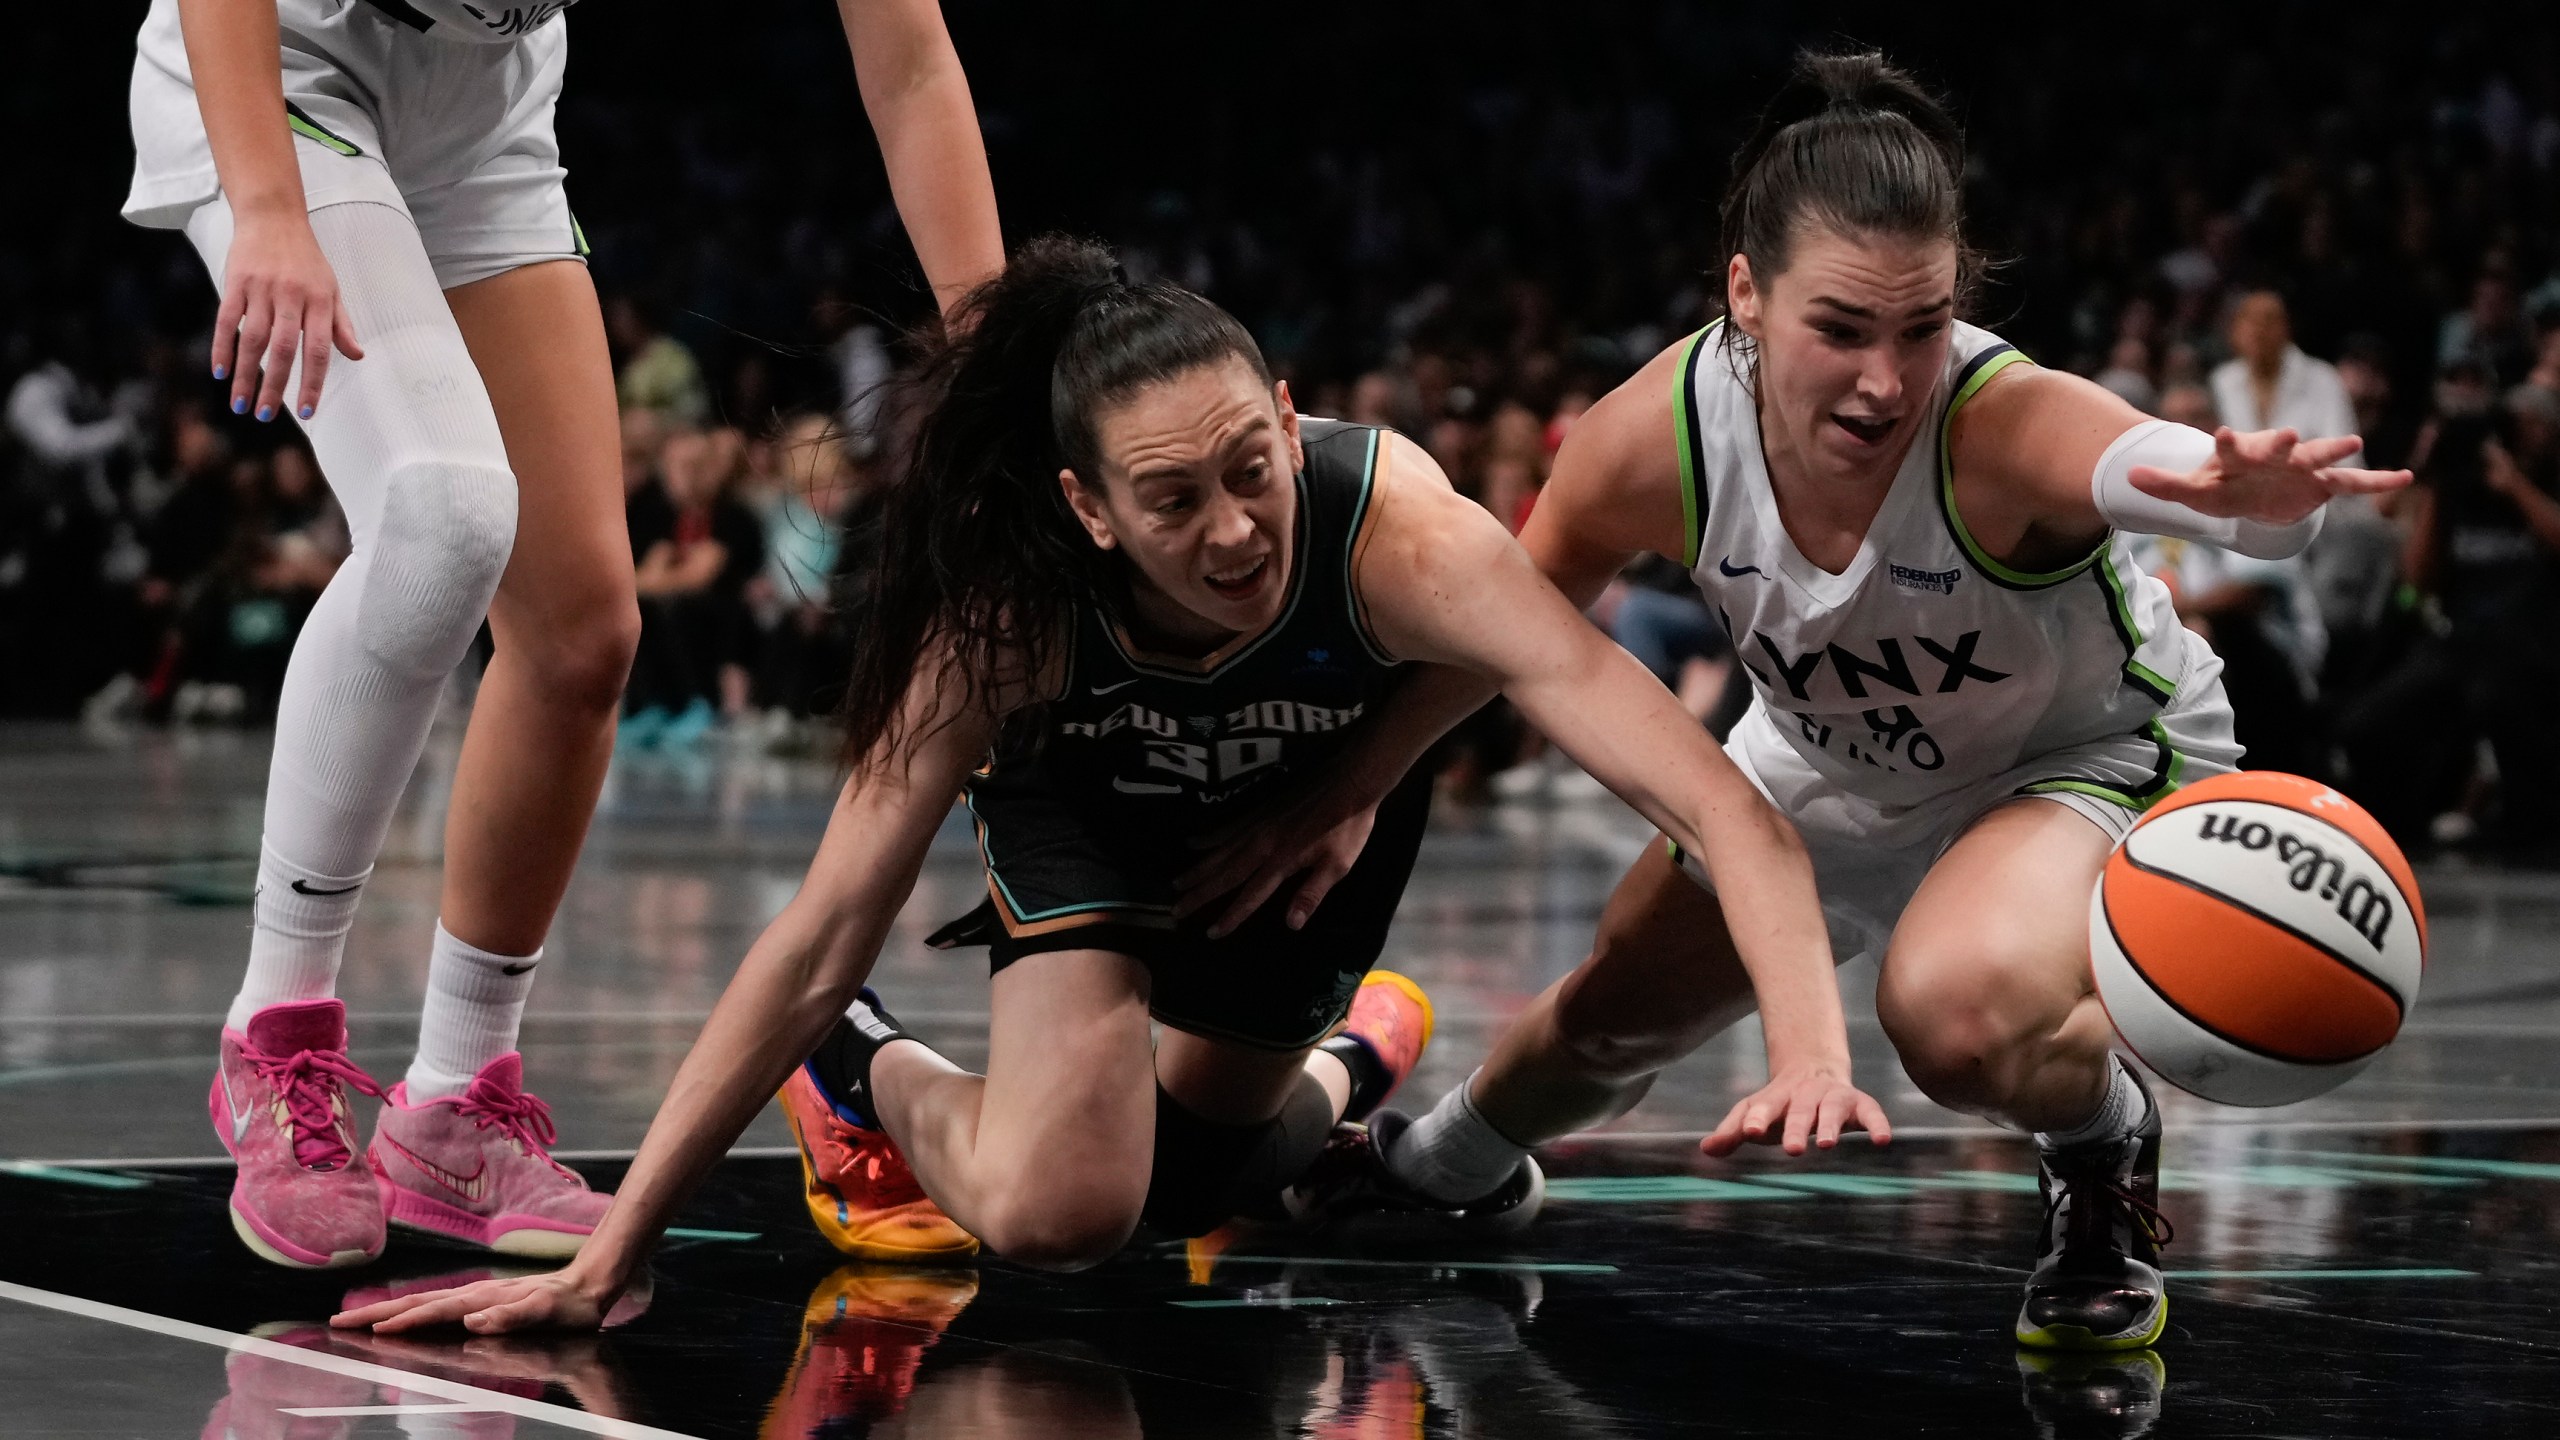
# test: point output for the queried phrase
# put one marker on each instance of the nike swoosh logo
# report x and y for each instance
(301, 889)
(1107, 689)
(473, 1187)
(1140, 787)
(239, 1117)
(1726, 565)
(518, 969)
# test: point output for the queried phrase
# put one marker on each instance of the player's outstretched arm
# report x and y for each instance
(2063, 457)
(1614, 493)
(918, 99)
(279, 296)
(796, 979)
(1444, 583)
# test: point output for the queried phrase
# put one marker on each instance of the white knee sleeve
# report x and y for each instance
(410, 446)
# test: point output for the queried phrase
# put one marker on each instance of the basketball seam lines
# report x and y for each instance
(2199, 1021)
(2399, 1006)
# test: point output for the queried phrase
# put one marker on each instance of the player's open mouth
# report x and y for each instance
(1242, 583)
(1865, 431)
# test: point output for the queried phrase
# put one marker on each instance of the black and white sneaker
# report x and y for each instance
(1351, 1178)
(2097, 1283)
(2114, 1396)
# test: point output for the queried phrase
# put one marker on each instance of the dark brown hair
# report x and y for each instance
(1852, 145)
(982, 560)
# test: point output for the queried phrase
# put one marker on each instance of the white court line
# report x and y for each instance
(473, 1396)
(326, 1411)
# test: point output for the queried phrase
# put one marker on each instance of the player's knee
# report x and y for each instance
(1955, 1021)
(583, 656)
(1039, 1226)
(442, 543)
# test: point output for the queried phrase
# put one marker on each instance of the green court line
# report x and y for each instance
(737, 1236)
(1283, 1302)
(94, 1179)
(1543, 1267)
(2451, 1165)
(2415, 1273)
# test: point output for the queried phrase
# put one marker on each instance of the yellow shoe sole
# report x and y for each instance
(849, 1241)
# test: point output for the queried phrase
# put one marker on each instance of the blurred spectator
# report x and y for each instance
(658, 372)
(2265, 623)
(2484, 546)
(68, 541)
(820, 546)
(2128, 375)
(2269, 384)
(2489, 332)
(696, 554)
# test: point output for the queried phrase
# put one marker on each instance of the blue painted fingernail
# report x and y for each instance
(304, 412)
(266, 412)
(221, 372)
(239, 405)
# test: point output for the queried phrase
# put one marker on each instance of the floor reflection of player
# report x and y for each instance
(2093, 1397)
(1454, 1364)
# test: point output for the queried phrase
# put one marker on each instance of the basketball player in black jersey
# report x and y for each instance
(1121, 566)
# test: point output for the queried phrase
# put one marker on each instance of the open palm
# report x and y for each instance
(2274, 477)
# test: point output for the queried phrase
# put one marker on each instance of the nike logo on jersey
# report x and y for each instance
(473, 1187)
(1726, 565)
(1141, 787)
(1107, 689)
(300, 888)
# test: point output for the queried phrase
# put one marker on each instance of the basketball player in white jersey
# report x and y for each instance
(378, 180)
(1965, 692)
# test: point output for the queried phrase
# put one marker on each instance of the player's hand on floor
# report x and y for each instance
(1312, 843)
(556, 1301)
(279, 299)
(1801, 1106)
(2274, 476)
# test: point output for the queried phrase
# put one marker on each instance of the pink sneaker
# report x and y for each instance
(304, 1196)
(476, 1167)
(267, 1397)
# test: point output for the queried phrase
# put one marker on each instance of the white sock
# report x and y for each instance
(1454, 1153)
(410, 446)
(299, 929)
(2120, 1112)
(475, 1002)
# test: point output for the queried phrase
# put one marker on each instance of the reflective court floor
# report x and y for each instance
(2377, 1262)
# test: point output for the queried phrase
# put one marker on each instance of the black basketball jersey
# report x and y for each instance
(1140, 752)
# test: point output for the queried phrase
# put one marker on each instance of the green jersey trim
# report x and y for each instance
(312, 130)
(2120, 614)
(1692, 445)
(1977, 373)
(1361, 513)
(2166, 776)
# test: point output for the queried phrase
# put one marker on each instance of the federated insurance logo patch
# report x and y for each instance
(1941, 581)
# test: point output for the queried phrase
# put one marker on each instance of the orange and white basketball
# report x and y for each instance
(2257, 938)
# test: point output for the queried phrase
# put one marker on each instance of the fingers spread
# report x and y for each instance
(2313, 454)
(1800, 1117)
(317, 328)
(1871, 1118)
(2162, 484)
(2363, 482)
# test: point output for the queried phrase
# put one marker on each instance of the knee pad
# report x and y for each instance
(442, 543)
(1205, 1172)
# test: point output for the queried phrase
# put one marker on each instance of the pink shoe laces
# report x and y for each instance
(870, 1156)
(519, 1115)
(307, 1083)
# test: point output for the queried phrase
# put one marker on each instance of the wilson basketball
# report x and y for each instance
(2257, 938)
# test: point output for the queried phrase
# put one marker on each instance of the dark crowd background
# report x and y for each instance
(1463, 220)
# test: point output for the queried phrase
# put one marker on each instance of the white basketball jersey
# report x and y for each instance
(488, 23)
(1926, 665)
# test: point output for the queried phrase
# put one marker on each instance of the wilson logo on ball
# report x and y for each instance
(2361, 903)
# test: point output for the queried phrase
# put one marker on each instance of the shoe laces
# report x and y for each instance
(519, 1115)
(2088, 1229)
(307, 1085)
(872, 1157)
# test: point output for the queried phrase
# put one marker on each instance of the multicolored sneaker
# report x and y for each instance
(862, 1339)
(2097, 1282)
(304, 1196)
(477, 1167)
(1351, 1178)
(1389, 1025)
(858, 1187)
